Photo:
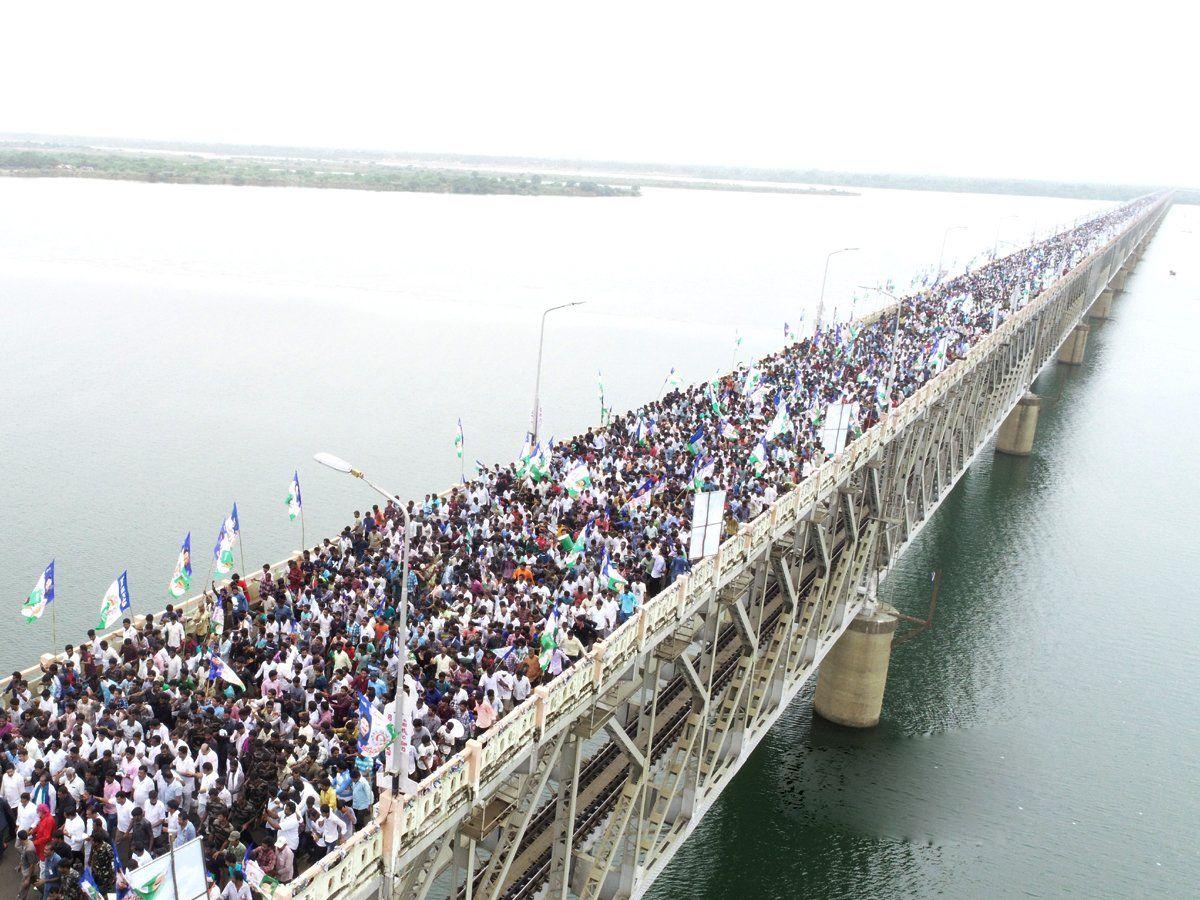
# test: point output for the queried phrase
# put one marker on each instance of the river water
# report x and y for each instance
(167, 350)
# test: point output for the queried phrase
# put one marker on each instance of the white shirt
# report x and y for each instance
(289, 830)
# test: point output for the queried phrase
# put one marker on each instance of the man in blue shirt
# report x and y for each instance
(362, 798)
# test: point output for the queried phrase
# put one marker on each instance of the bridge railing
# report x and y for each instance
(467, 775)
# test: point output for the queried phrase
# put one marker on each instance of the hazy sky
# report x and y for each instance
(1079, 91)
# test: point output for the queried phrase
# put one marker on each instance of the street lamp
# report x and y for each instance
(400, 745)
(942, 252)
(824, 279)
(537, 384)
(895, 331)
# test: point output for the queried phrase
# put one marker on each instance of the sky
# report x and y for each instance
(1057, 90)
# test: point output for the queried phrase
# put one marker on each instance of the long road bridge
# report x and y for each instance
(589, 787)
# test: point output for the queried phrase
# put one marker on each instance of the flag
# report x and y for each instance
(257, 878)
(458, 440)
(294, 504)
(759, 457)
(937, 358)
(613, 580)
(696, 440)
(364, 720)
(787, 332)
(539, 461)
(577, 480)
(780, 423)
(218, 669)
(702, 470)
(752, 381)
(182, 579)
(150, 890)
(41, 596)
(526, 452)
(87, 886)
(115, 603)
(673, 380)
(380, 730)
(642, 496)
(226, 539)
(604, 411)
(574, 547)
(883, 395)
(714, 399)
(728, 431)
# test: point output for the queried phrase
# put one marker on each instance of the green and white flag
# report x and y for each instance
(458, 440)
(758, 457)
(613, 580)
(181, 580)
(294, 505)
(41, 596)
(780, 423)
(574, 547)
(752, 381)
(115, 604)
(227, 539)
(539, 461)
(577, 480)
(605, 412)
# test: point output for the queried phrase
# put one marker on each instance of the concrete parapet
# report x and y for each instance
(1102, 307)
(1071, 351)
(1016, 434)
(852, 677)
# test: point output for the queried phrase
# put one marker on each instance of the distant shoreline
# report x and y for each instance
(341, 174)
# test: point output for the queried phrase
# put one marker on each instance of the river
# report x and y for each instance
(169, 349)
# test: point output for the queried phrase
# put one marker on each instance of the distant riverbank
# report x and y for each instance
(343, 174)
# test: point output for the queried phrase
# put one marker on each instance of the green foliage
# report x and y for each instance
(80, 163)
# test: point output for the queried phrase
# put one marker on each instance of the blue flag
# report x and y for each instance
(364, 720)
(88, 886)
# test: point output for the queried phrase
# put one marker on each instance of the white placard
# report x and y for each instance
(708, 512)
(838, 417)
(188, 863)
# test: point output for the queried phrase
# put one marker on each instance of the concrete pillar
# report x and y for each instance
(1071, 352)
(853, 675)
(1102, 307)
(1117, 283)
(1016, 434)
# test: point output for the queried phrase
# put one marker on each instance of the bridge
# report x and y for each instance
(590, 786)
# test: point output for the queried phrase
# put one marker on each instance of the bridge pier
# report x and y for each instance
(1071, 351)
(1016, 434)
(1102, 307)
(852, 677)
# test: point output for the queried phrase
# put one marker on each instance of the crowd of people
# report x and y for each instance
(138, 741)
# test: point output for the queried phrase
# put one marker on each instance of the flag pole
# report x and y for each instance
(303, 542)
(53, 628)
(174, 881)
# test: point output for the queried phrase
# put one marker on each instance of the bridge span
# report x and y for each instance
(588, 788)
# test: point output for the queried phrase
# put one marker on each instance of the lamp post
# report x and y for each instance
(400, 745)
(942, 252)
(895, 331)
(537, 384)
(824, 278)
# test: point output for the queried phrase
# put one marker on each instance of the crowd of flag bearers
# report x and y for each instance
(258, 718)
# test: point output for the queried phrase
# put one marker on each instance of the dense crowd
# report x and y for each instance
(131, 743)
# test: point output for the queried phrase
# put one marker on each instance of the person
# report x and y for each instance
(50, 877)
(284, 869)
(28, 862)
(362, 797)
(43, 831)
(237, 888)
